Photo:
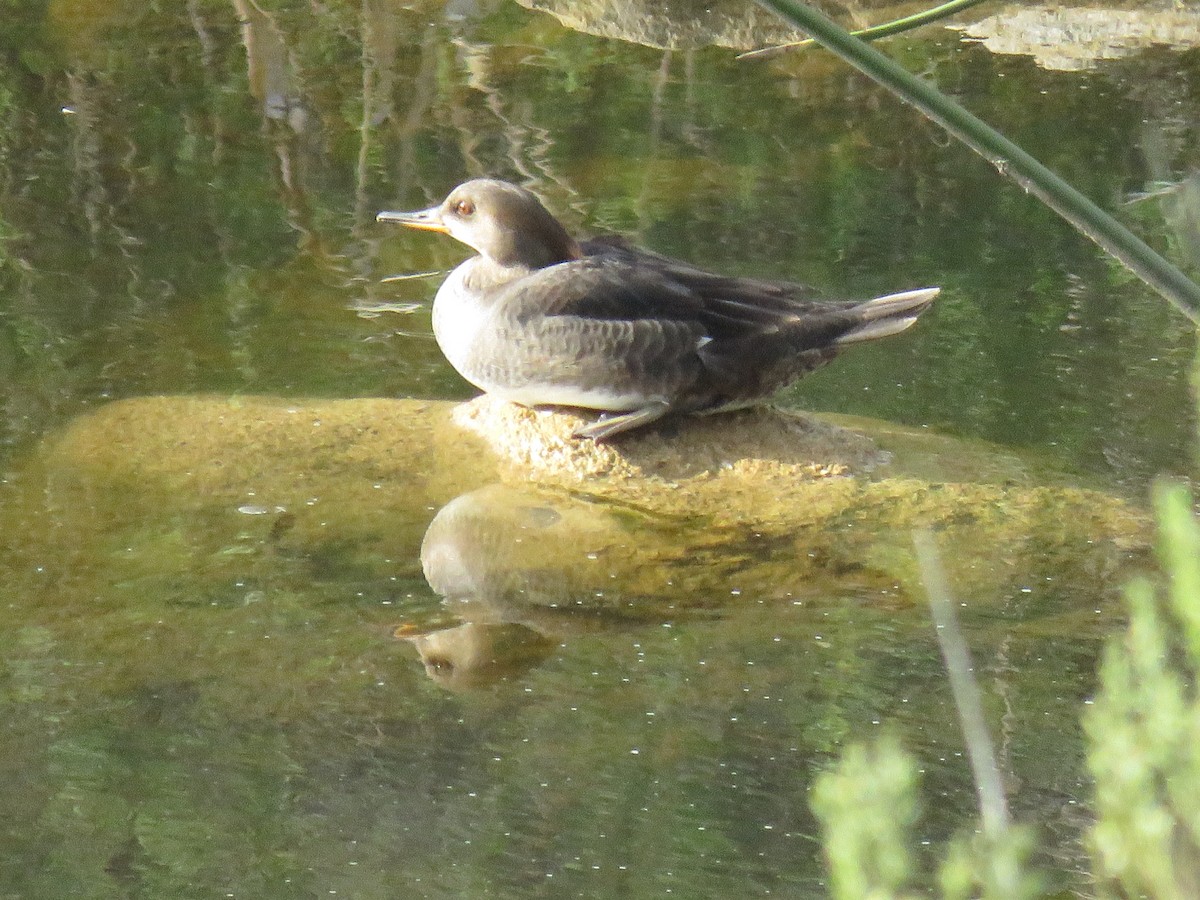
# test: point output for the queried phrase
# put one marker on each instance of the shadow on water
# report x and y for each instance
(263, 646)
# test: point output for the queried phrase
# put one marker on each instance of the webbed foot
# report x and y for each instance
(610, 425)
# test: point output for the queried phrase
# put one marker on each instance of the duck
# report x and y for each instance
(540, 318)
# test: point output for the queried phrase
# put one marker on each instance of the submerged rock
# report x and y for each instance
(851, 487)
(214, 502)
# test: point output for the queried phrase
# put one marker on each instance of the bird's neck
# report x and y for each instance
(539, 242)
(482, 275)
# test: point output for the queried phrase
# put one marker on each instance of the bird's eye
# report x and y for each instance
(464, 207)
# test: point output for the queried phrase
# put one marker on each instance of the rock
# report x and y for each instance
(762, 440)
(1074, 37)
(171, 508)
(829, 497)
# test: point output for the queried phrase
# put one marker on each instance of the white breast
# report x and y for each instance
(458, 319)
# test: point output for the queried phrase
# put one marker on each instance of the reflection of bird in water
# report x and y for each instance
(505, 547)
(476, 654)
(500, 557)
(540, 318)
(520, 569)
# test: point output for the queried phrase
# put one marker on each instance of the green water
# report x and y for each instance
(199, 705)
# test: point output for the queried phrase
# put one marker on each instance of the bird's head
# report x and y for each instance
(503, 222)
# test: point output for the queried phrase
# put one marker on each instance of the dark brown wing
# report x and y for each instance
(602, 288)
(759, 294)
(614, 281)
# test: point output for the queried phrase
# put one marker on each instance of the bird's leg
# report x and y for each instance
(609, 426)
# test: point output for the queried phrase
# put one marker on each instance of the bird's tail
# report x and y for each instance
(888, 315)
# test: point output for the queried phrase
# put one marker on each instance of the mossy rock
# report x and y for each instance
(778, 497)
(177, 532)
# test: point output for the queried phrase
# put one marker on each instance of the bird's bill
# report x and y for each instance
(424, 219)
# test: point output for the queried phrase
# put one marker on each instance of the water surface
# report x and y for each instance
(206, 698)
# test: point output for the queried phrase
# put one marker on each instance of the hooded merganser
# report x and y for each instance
(539, 318)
